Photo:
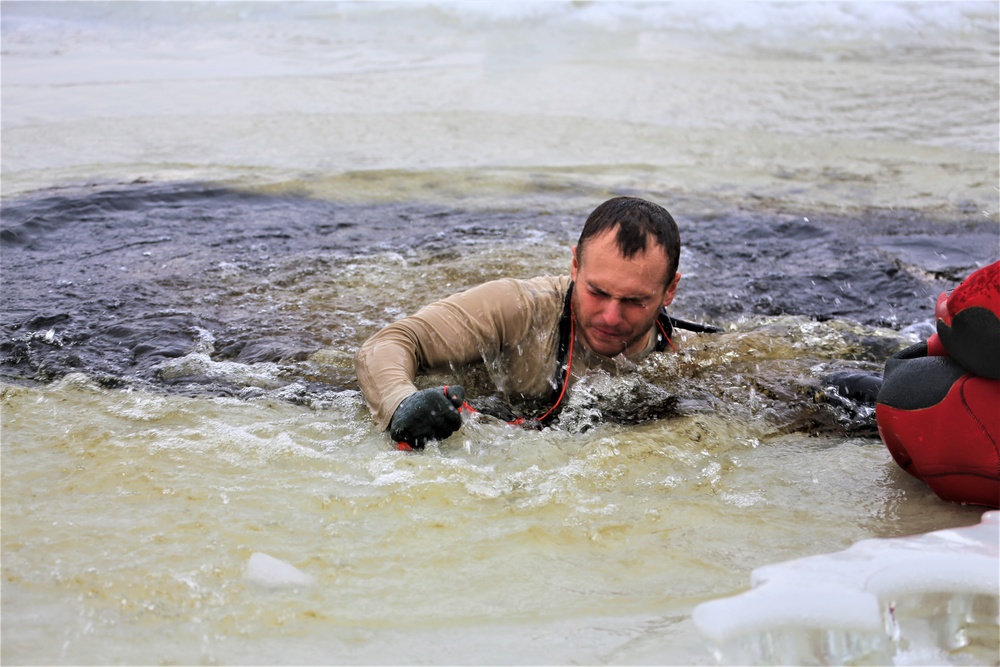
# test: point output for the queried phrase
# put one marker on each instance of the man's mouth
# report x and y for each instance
(608, 335)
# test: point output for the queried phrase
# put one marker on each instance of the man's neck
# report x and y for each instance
(646, 344)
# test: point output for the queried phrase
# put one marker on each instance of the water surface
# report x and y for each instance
(207, 207)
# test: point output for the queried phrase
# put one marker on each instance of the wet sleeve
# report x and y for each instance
(462, 329)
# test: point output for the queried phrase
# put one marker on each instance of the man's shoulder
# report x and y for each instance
(558, 284)
(553, 286)
(542, 288)
(526, 297)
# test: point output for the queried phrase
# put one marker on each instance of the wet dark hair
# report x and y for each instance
(636, 220)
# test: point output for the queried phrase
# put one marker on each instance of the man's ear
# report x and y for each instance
(668, 296)
(575, 266)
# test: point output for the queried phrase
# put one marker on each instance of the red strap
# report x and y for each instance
(569, 367)
(665, 336)
(514, 422)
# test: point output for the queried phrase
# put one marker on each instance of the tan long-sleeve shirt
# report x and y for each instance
(510, 325)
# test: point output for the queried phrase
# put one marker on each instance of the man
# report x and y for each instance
(535, 337)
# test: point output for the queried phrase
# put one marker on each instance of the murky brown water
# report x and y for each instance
(207, 208)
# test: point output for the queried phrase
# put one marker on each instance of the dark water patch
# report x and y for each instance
(947, 258)
(876, 268)
(115, 282)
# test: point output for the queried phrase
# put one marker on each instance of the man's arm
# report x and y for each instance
(451, 333)
(386, 365)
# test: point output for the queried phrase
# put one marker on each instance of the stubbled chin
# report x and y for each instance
(606, 347)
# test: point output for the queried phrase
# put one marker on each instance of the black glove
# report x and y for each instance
(862, 387)
(429, 414)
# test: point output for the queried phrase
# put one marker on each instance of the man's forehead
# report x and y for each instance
(617, 285)
(607, 241)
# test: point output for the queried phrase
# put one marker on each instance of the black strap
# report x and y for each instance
(690, 326)
(565, 328)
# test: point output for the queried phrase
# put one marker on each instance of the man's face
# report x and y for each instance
(616, 300)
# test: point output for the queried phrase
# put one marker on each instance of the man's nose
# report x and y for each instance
(612, 313)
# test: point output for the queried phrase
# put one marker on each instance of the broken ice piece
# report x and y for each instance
(270, 571)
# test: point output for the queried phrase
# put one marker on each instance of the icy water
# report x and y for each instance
(207, 207)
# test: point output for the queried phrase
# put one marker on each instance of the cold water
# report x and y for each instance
(207, 207)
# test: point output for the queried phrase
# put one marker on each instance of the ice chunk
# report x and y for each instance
(777, 606)
(880, 601)
(270, 571)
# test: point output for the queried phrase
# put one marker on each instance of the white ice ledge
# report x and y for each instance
(929, 598)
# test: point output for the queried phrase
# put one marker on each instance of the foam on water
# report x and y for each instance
(789, 20)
